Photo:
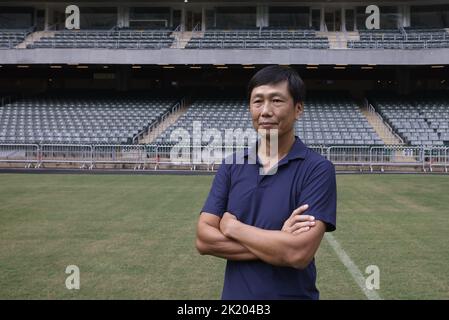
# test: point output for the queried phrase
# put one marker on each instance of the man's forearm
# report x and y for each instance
(272, 246)
(212, 241)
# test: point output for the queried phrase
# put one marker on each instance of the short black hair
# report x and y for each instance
(275, 74)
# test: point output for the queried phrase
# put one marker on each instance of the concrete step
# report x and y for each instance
(381, 129)
(33, 37)
(337, 40)
(172, 118)
(182, 38)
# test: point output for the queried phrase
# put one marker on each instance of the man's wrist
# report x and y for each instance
(231, 228)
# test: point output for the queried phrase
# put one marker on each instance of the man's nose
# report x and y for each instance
(267, 110)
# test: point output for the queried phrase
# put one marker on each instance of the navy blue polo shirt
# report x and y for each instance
(266, 201)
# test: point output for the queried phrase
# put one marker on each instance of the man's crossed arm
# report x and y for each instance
(293, 246)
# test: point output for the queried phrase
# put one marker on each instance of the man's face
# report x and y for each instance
(272, 107)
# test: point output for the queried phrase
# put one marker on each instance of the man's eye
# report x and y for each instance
(277, 101)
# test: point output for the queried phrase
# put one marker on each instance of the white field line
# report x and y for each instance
(352, 268)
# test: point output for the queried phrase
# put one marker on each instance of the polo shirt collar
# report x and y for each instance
(297, 151)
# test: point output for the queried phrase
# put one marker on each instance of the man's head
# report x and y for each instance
(276, 99)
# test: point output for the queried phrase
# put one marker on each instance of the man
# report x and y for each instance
(257, 221)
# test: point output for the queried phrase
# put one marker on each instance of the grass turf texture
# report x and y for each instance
(133, 237)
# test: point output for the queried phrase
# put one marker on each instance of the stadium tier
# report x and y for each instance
(114, 39)
(262, 38)
(217, 114)
(404, 38)
(228, 25)
(9, 38)
(333, 120)
(268, 38)
(78, 120)
(419, 121)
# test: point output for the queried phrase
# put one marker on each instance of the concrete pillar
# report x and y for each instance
(34, 22)
(262, 16)
(183, 19)
(203, 19)
(322, 22)
(259, 13)
(119, 22)
(406, 16)
(48, 17)
(265, 19)
(266, 16)
(125, 17)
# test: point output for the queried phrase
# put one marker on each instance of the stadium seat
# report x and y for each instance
(258, 39)
(93, 120)
(421, 119)
(113, 39)
(330, 120)
(404, 38)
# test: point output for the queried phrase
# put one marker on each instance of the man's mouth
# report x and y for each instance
(267, 124)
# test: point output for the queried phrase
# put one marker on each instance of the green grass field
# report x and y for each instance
(133, 237)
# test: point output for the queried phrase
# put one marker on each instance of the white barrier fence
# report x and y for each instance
(119, 154)
(146, 156)
(21, 153)
(63, 154)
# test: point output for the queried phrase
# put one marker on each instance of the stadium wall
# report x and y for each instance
(225, 56)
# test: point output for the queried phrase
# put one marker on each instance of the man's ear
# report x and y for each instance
(299, 109)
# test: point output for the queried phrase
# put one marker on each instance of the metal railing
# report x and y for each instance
(82, 39)
(20, 153)
(111, 44)
(381, 120)
(425, 158)
(399, 44)
(197, 27)
(66, 153)
(260, 44)
(151, 127)
(404, 36)
(119, 154)
(349, 156)
(13, 37)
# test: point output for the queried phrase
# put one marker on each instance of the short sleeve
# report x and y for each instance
(217, 200)
(320, 193)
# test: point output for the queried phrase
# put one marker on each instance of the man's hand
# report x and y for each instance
(210, 240)
(297, 222)
(226, 222)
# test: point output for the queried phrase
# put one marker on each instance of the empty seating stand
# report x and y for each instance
(217, 114)
(258, 39)
(405, 38)
(9, 38)
(334, 120)
(65, 120)
(113, 39)
(421, 120)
